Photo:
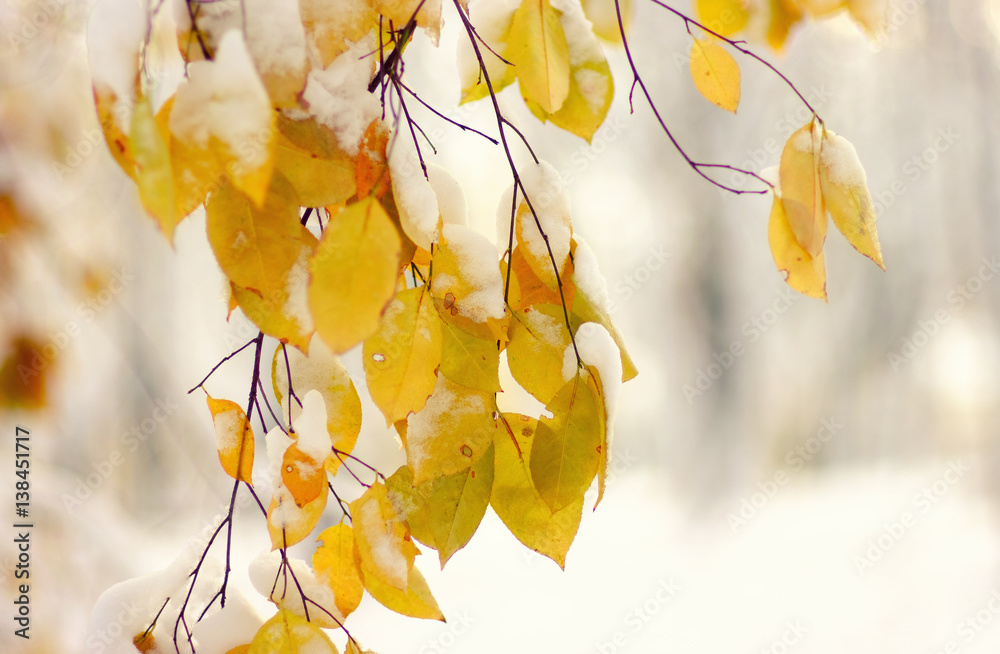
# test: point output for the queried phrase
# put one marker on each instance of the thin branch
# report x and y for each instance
(443, 117)
(216, 367)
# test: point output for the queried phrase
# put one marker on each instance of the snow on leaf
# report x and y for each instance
(450, 433)
(845, 190)
(803, 272)
(600, 355)
(715, 73)
(415, 199)
(322, 371)
(466, 275)
(402, 357)
(411, 502)
(725, 17)
(233, 438)
(287, 633)
(336, 565)
(354, 274)
(302, 475)
(515, 499)
(287, 522)
(291, 585)
(538, 49)
(329, 27)
(566, 450)
(801, 193)
(383, 539)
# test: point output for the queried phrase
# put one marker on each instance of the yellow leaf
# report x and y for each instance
(784, 15)
(336, 565)
(23, 381)
(845, 190)
(233, 438)
(269, 313)
(496, 33)
(602, 14)
(330, 26)
(109, 108)
(803, 272)
(287, 633)
(322, 371)
(725, 17)
(539, 51)
(415, 601)
(871, 15)
(451, 432)
(256, 247)
(153, 172)
(516, 501)
(240, 649)
(801, 193)
(302, 475)
(144, 642)
(289, 524)
(411, 502)
(308, 155)
(715, 73)
(467, 279)
(402, 357)
(457, 504)
(591, 89)
(469, 360)
(536, 349)
(371, 173)
(382, 537)
(354, 274)
(565, 453)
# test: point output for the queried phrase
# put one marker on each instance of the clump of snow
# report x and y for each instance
(415, 198)
(583, 45)
(128, 608)
(388, 556)
(225, 99)
(587, 276)
(233, 625)
(544, 188)
(276, 441)
(492, 19)
(114, 33)
(279, 586)
(569, 365)
(450, 196)
(228, 429)
(805, 140)
(310, 427)
(338, 95)
(477, 260)
(444, 410)
(598, 349)
(296, 305)
(840, 161)
(321, 370)
(275, 36)
(594, 88)
(772, 174)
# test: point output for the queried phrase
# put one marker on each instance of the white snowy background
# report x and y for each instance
(864, 484)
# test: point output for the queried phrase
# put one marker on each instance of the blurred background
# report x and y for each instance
(832, 487)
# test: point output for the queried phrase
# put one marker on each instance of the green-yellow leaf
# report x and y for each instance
(288, 523)
(335, 564)
(402, 357)
(233, 438)
(411, 502)
(725, 17)
(845, 190)
(803, 272)
(591, 89)
(516, 501)
(536, 349)
(153, 173)
(353, 274)
(801, 193)
(539, 51)
(287, 633)
(715, 73)
(457, 505)
(469, 360)
(566, 451)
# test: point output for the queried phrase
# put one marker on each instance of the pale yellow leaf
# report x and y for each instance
(724, 17)
(845, 190)
(801, 193)
(539, 51)
(335, 564)
(803, 272)
(233, 437)
(287, 633)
